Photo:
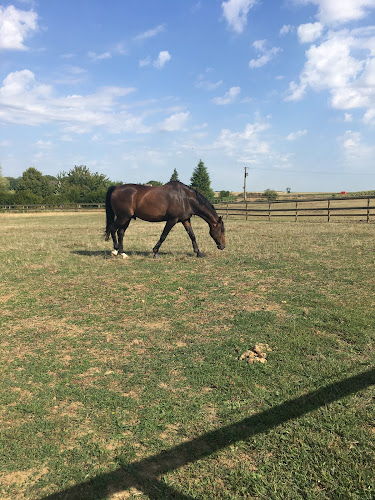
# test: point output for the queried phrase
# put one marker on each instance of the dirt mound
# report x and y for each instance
(256, 355)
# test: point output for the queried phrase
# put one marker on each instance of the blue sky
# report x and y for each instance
(136, 88)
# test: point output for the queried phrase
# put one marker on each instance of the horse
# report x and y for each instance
(173, 202)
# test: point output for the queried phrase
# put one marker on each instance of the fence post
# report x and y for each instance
(227, 211)
(328, 210)
(246, 209)
(269, 210)
(368, 210)
(296, 218)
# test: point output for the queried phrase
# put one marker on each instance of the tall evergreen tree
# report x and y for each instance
(174, 176)
(200, 180)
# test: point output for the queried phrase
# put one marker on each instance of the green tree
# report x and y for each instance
(200, 180)
(79, 185)
(270, 194)
(154, 183)
(4, 182)
(34, 182)
(13, 182)
(174, 176)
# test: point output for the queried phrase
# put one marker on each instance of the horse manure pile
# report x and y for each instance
(256, 355)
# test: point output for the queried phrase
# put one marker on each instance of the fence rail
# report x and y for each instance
(322, 209)
(359, 208)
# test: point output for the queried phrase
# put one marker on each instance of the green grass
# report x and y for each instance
(121, 378)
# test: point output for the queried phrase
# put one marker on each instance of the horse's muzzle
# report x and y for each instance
(221, 246)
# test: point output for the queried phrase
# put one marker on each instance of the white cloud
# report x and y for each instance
(348, 117)
(296, 135)
(287, 28)
(332, 12)
(175, 122)
(328, 66)
(99, 57)
(25, 101)
(15, 26)
(235, 13)
(150, 33)
(309, 32)
(265, 57)
(228, 97)
(163, 57)
(354, 150)
(247, 146)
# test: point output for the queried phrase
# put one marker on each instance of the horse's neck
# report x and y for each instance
(207, 214)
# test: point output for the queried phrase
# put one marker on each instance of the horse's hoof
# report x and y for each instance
(156, 256)
(114, 253)
(200, 255)
(124, 256)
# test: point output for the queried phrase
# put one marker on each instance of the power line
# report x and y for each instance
(304, 172)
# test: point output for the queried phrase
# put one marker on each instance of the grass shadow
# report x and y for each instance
(144, 474)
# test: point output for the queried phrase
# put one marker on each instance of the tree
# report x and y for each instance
(35, 183)
(154, 183)
(79, 185)
(270, 194)
(288, 190)
(174, 176)
(200, 180)
(4, 182)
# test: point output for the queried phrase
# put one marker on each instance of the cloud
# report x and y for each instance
(266, 55)
(15, 26)
(330, 12)
(287, 28)
(309, 32)
(295, 135)
(175, 122)
(150, 33)
(228, 97)
(330, 65)
(25, 101)
(99, 57)
(163, 57)
(235, 12)
(354, 150)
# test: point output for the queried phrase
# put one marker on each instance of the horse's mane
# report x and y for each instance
(202, 200)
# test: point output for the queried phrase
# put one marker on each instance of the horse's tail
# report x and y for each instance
(110, 214)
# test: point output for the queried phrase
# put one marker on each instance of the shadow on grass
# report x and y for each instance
(107, 254)
(144, 475)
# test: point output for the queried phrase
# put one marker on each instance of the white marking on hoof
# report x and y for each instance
(114, 252)
(124, 256)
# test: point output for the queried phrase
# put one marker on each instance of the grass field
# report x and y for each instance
(122, 379)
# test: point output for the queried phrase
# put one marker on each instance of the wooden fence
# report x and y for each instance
(324, 209)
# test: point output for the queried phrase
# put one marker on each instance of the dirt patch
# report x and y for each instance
(258, 354)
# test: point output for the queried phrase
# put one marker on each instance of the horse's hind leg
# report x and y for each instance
(120, 236)
(190, 232)
(164, 234)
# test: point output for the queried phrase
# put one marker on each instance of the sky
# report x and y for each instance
(136, 88)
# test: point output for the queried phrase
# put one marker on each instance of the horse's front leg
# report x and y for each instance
(164, 234)
(120, 235)
(190, 232)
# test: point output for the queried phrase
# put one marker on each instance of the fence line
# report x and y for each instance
(321, 208)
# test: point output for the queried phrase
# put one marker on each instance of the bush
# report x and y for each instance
(270, 194)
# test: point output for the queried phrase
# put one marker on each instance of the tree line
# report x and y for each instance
(79, 185)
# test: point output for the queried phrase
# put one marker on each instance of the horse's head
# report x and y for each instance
(217, 233)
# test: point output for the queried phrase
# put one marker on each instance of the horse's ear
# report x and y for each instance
(220, 219)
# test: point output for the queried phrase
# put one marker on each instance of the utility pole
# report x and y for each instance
(244, 182)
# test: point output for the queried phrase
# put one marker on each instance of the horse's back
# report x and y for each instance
(150, 203)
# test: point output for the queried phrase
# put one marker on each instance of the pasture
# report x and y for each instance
(122, 379)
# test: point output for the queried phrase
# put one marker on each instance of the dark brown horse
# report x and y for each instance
(174, 202)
